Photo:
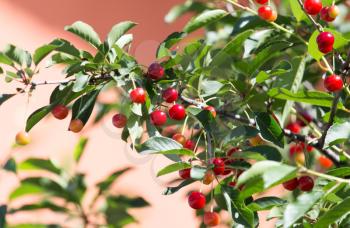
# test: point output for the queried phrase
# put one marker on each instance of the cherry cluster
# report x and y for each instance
(304, 183)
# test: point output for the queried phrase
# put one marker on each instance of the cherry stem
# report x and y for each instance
(303, 169)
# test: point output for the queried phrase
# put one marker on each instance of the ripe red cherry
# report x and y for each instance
(158, 117)
(325, 162)
(333, 83)
(185, 173)
(232, 184)
(262, 2)
(306, 183)
(325, 14)
(119, 120)
(291, 184)
(179, 138)
(76, 125)
(177, 112)
(219, 166)
(22, 138)
(267, 13)
(155, 71)
(333, 11)
(211, 219)
(312, 7)
(60, 111)
(294, 127)
(189, 144)
(211, 109)
(138, 96)
(325, 41)
(170, 95)
(196, 200)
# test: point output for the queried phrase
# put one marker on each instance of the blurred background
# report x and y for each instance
(31, 23)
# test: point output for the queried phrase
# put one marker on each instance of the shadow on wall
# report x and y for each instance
(102, 15)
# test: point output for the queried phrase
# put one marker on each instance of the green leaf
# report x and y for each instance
(181, 9)
(41, 52)
(84, 31)
(172, 190)
(36, 116)
(26, 189)
(3, 210)
(39, 164)
(270, 129)
(118, 31)
(81, 82)
(268, 152)
(239, 212)
(339, 41)
(209, 88)
(79, 149)
(5, 97)
(266, 203)
(232, 48)
(294, 79)
(11, 165)
(18, 55)
(172, 39)
(41, 205)
(204, 19)
(334, 214)
(105, 184)
(5, 60)
(124, 40)
(310, 97)
(338, 133)
(339, 172)
(164, 145)
(264, 175)
(294, 211)
(297, 11)
(198, 172)
(127, 202)
(173, 168)
(82, 108)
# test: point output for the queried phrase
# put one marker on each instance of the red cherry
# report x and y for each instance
(211, 219)
(306, 183)
(179, 138)
(177, 112)
(325, 14)
(325, 41)
(185, 173)
(211, 109)
(333, 11)
(138, 96)
(333, 83)
(189, 144)
(170, 95)
(312, 7)
(296, 148)
(155, 71)
(291, 184)
(219, 166)
(267, 13)
(261, 2)
(196, 200)
(76, 125)
(60, 111)
(232, 184)
(325, 162)
(158, 117)
(294, 127)
(119, 120)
